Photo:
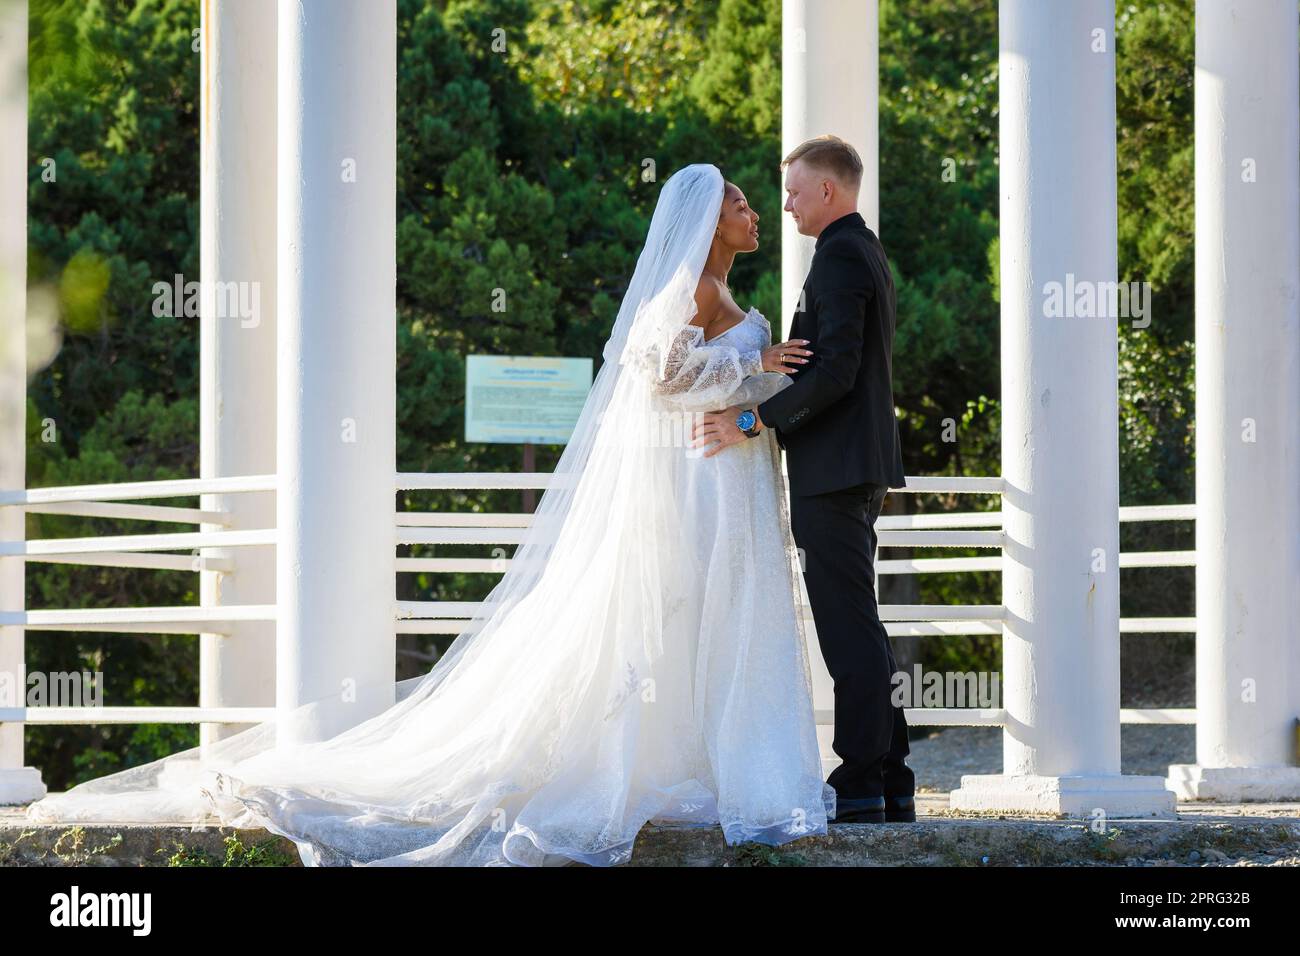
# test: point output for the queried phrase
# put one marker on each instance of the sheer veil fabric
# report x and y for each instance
(642, 658)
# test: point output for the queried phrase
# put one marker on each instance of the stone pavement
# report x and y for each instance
(1251, 834)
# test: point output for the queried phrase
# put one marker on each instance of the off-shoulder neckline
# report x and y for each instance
(744, 319)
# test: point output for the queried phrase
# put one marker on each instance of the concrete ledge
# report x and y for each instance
(1114, 795)
(1202, 834)
(1192, 781)
(20, 785)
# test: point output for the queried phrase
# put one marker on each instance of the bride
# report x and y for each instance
(641, 660)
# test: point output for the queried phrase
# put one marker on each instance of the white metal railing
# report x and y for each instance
(148, 551)
(981, 529)
(35, 498)
(137, 715)
(997, 717)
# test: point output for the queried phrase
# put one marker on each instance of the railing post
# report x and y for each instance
(336, 371)
(237, 335)
(1247, 403)
(829, 84)
(1060, 464)
(18, 784)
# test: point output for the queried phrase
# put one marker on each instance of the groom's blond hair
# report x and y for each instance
(830, 154)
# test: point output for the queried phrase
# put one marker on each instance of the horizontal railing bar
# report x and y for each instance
(461, 565)
(942, 612)
(100, 509)
(940, 716)
(467, 519)
(137, 715)
(1157, 715)
(956, 484)
(139, 542)
(1157, 559)
(997, 717)
(960, 519)
(453, 565)
(1158, 513)
(156, 562)
(164, 627)
(138, 615)
(939, 628)
(427, 626)
(891, 566)
(1157, 625)
(916, 716)
(408, 535)
(936, 565)
(500, 565)
(119, 491)
(38, 548)
(940, 539)
(472, 481)
(893, 628)
(453, 481)
(891, 539)
(481, 519)
(939, 520)
(883, 523)
(407, 610)
(926, 521)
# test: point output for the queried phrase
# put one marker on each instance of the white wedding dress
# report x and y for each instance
(643, 660)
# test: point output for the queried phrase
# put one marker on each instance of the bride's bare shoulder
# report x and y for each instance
(708, 300)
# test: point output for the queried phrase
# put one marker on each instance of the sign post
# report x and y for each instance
(530, 465)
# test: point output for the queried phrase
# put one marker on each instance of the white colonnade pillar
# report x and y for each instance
(830, 65)
(237, 333)
(1247, 403)
(829, 84)
(336, 370)
(18, 784)
(1060, 455)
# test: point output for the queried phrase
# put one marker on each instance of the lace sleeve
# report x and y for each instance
(697, 376)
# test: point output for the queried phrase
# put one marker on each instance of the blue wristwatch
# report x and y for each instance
(747, 422)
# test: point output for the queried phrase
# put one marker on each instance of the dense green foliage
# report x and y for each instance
(526, 169)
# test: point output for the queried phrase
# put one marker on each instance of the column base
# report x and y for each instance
(20, 785)
(1119, 795)
(830, 759)
(1191, 781)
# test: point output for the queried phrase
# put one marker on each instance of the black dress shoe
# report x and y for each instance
(900, 809)
(860, 810)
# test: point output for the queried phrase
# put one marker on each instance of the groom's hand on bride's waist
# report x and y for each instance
(718, 430)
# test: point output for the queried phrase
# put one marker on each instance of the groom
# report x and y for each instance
(836, 423)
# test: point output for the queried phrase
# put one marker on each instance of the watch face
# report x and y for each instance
(745, 420)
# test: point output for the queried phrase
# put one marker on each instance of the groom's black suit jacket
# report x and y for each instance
(836, 421)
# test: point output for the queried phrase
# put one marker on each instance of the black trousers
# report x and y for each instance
(836, 534)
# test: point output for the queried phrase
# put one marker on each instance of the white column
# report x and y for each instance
(18, 784)
(336, 374)
(1060, 451)
(237, 334)
(1247, 403)
(829, 84)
